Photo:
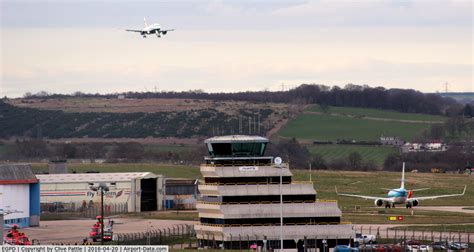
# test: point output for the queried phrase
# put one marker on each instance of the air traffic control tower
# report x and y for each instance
(240, 205)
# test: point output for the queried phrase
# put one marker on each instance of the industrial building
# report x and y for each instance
(19, 196)
(242, 201)
(140, 191)
(181, 193)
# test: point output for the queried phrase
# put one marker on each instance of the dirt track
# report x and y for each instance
(72, 231)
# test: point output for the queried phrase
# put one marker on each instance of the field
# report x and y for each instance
(378, 113)
(311, 127)
(172, 171)
(357, 123)
(332, 152)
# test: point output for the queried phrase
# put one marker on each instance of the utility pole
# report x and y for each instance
(102, 188)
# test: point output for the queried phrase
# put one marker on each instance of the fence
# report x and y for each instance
(62, 211)
(178, 234)
(397, 235)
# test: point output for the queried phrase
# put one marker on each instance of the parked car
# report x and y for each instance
(365, 239)
(345, 248)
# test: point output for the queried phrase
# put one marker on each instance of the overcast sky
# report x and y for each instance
(67, 46)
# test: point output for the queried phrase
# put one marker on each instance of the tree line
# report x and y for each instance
(402, 100)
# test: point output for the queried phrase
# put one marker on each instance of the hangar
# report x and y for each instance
(19, 195)
(139, 191)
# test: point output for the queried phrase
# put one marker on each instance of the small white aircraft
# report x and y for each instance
(400, 195)
(151, 29)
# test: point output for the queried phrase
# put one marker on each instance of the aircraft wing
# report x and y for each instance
(166, 30)
(134, 30)
(364, 197)
(439, 196)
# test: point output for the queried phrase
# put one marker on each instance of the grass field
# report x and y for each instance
(332, 152)
(377, 113)
(371, 183)
(172, 171)
(328, 127)
(440, 228)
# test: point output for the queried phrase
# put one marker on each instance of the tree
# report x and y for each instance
(355, 160)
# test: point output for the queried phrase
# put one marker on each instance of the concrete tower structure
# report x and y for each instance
(243, 202)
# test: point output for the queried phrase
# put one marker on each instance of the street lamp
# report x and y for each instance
(278, 161)
(102, 187)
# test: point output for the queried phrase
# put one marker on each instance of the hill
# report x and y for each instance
(137, 118)
(360, 124)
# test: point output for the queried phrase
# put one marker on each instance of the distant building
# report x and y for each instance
(391, 140)
(433, 146)
(19, 195)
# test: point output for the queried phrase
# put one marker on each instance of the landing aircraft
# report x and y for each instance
(400, 195)
(151, 29)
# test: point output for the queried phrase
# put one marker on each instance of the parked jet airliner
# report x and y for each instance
(400, 195)
(151, 29)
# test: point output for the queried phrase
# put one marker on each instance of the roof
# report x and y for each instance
(94, 177)
(236, 139)
(181, 181)
(16, 174)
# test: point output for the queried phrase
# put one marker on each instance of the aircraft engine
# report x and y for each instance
(415, 203)
(164, 32)
(378, 202)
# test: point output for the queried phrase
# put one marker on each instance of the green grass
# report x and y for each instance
(167, 215)
(378, 113)
(168, 148)
(440, 228)
(332, 152)
(327, 127)
(370, 183)
(172, 171)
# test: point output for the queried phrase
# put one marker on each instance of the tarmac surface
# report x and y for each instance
(458, 209)
(72, 231)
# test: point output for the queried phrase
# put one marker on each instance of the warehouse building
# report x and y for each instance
(138, 191)
(19, 196)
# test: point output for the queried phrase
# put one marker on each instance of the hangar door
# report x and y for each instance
(148, 197)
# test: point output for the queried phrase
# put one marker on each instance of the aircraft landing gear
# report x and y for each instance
(387, 205)
(409, 205)
(393, 205)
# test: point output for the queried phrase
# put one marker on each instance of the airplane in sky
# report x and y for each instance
(151, 29)
(400, 195)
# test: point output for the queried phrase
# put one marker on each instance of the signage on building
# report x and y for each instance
(248, 168)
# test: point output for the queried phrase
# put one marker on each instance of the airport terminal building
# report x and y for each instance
(240, 201)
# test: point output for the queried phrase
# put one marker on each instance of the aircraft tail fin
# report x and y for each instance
(402, 185)
(144, 22)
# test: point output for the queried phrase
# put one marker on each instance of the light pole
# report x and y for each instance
(102, 187)
(278, 162)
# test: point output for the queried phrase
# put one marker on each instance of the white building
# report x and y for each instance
(19, 196)
(140, 191)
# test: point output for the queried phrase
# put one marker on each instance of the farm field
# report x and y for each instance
(312, 127)
(332, 152)
(377, 113)
(356, 123)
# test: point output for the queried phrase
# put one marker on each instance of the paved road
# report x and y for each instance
(459, 209)
(71, 231)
